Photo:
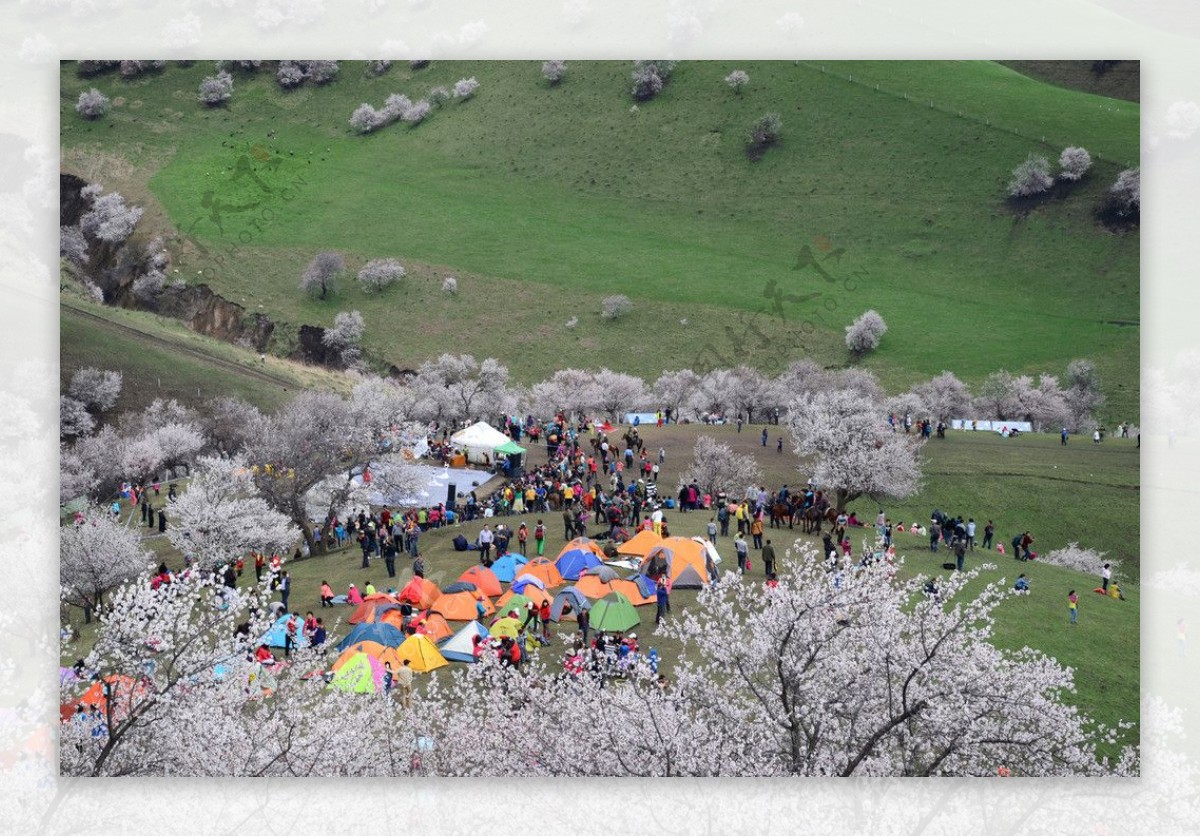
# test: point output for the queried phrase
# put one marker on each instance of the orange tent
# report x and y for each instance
(460, 607)
(434, 626)
(420, 592)
(532, 593)
(683, 560)
(485, 580)
(592, 587)
(380, 652)
(371, 611)
(583, 543)
(544, 570)
(380, 597)
(124, 689)
(640, 544)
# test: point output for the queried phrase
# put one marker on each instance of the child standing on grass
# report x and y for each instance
(1073, 603)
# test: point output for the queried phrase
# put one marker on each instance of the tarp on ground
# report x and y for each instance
(508, 566)
(459, 648)
(568, 596)
(485, 581)
(642, 418)
(276, 635)
(421, 653)
(460, 607)
(996, 425)
(479, 442)
(614, 613)
(380, 632)
(572, 564)
(640, 544)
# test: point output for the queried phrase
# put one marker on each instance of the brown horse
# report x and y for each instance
(781, 512)
(814, 516)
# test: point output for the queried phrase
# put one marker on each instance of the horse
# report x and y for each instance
(813, 517)
(781, 511)
(554, 500)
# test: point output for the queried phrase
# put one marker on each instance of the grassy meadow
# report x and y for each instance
(544, 200)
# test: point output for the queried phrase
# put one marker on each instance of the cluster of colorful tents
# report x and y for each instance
(377, 637)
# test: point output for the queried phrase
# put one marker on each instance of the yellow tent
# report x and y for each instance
(421, 653)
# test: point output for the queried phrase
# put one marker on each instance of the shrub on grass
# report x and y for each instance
(1074, 162)
(737, 80)
(321, 275)
(92, 104)
(216, 90)
(650, 77)
(863, 334)
(553, 71)
(614, 307)
(377, 274)
(365, 119)
(1030, 178)
(465, 88)
(450, 285)
(765, 131)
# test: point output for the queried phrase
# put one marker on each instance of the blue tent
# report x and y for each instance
(460, 648)
(507, 566)
(524, 581)
(276, 635)
(381, 632)
(574, 562)
(645, 583)
(568, 596)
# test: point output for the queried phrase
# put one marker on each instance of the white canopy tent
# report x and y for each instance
(479, 442)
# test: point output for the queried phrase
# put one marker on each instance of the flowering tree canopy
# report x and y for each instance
(715, 467)
(853, 450)
(96, 554)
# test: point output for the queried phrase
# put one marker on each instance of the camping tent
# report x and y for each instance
(459, 587)
(420, 592)
(574, 562)
(479, 442)
(372, 611)
(595, 587)
(614, 613)
(525, 581)
(508, 565)
(380, 632)
(583, 543)
(373, 649)
(517, 601)
(682, 560)
(125, 690)
(460, 607)
(421, 653)
(361, 673)
(434, 626)
(544, 569)
(506, 627)
(276, 635)
(485, 580)
(568, 596)
(459, 648)
(640, 544)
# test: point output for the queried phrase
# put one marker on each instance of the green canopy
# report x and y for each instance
(614, 613)
(510, 447)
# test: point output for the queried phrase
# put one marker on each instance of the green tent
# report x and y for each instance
(614, 613)
(362, 673)
(510, 447)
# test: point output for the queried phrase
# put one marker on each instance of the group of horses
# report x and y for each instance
(811, 514)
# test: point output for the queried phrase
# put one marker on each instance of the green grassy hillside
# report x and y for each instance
(543, 200)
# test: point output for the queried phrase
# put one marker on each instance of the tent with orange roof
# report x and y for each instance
(531, 594)
(543, 569)
(372, 611)
(460, 607)
(640, 544)
(434, 626)
(594, 587)
(585, 544)
(420, 592)
(682, 560)
(382, 653)
(485, 580)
